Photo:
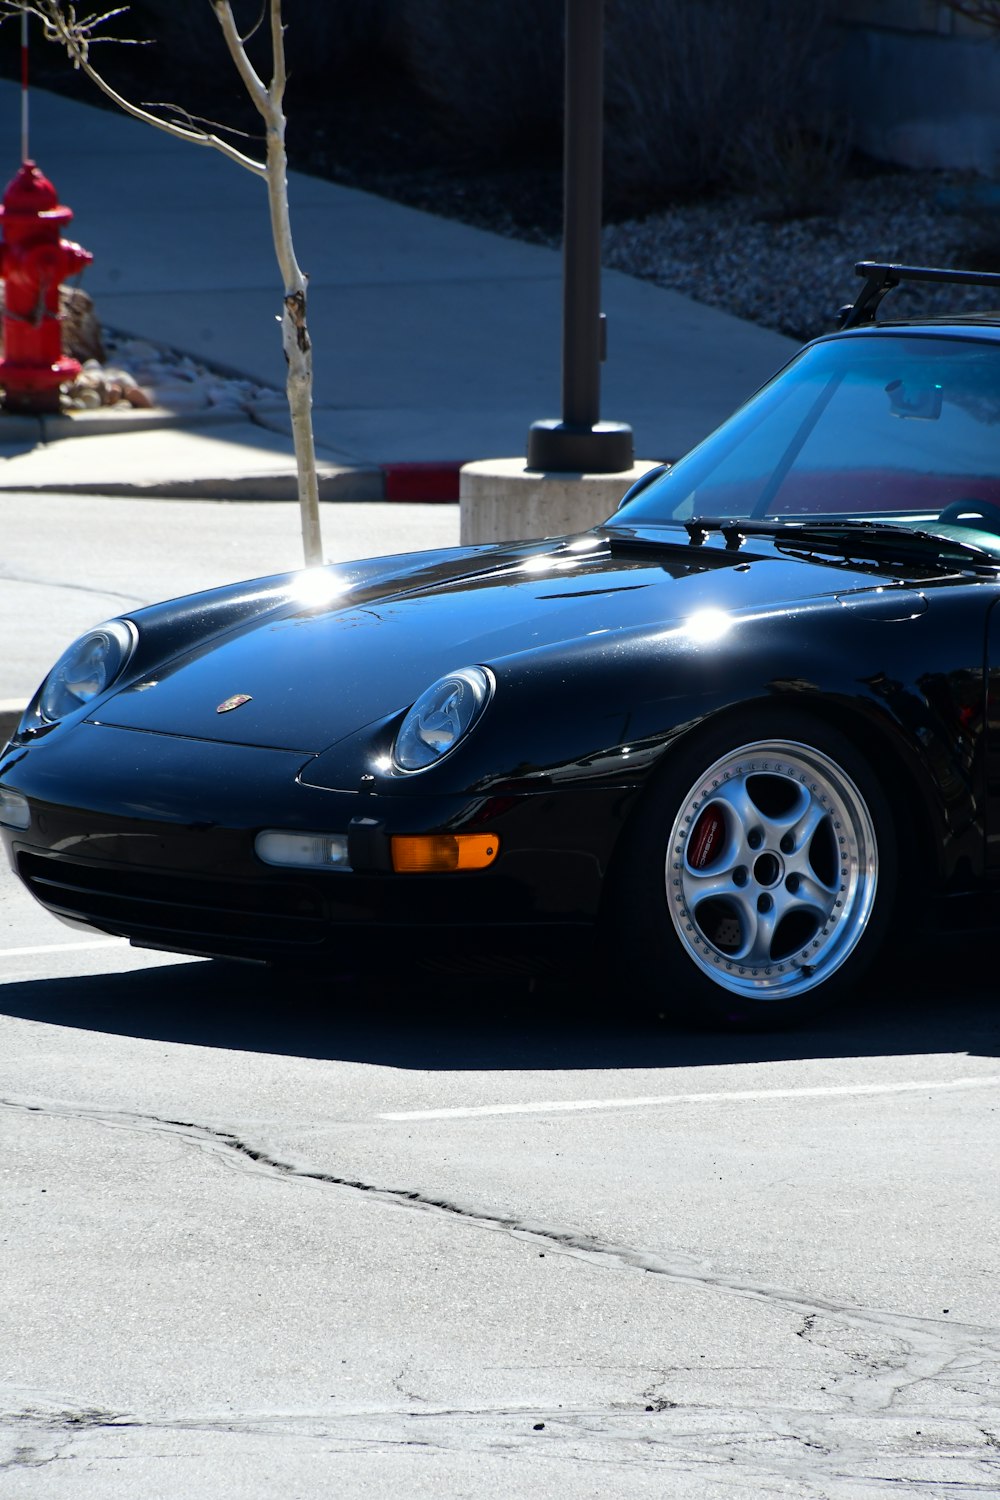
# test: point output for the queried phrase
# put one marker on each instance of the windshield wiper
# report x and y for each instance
(881, 541)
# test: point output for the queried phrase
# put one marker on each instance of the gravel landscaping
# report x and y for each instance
(794, 275)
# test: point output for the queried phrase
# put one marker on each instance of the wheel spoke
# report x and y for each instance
(745, 816)
(760, 937)
(716, 882)
(811, 894)
(802, 827)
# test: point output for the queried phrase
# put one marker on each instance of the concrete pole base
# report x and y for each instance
(502, 500)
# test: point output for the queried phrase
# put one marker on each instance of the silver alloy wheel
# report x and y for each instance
(771, 870)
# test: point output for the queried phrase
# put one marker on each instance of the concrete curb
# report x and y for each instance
(35, 459)
(423, 482)
(345, 485)
(19, 427)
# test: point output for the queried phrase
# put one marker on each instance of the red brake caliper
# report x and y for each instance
(706, 838)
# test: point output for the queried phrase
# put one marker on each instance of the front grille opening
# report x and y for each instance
(139, 904)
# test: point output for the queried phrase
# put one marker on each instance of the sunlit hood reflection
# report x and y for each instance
(349, 655)
(706, 625)
(315, 587)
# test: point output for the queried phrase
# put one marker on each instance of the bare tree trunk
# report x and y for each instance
(294, 332)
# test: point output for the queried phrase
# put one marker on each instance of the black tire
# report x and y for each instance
(756, 880)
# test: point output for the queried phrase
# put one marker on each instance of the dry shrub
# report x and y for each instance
(699, 93)
(795, 169)
(702, 93)
(491, 72)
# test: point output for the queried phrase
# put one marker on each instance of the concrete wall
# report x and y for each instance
(920, 84)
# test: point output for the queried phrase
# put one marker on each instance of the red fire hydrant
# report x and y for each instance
(34, 260)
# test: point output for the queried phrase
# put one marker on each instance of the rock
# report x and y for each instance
(84, 397)
(96, 386)
(81, 330)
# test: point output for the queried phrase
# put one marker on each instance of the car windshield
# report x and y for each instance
(877, 426)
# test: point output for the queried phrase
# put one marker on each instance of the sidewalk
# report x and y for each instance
(433, 342)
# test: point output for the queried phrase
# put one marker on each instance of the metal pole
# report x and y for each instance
(24, 86)
(581, 442)
(582, 189)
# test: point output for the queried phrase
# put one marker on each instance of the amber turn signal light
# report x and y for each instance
(436, 853)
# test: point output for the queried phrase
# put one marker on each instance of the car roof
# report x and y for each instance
(985, 326)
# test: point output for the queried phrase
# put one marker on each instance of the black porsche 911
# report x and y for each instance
(728, 738)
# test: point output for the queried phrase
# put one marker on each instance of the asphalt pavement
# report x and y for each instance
(274, 1240)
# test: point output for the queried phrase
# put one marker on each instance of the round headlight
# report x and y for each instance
(441, 717)
(89, 666)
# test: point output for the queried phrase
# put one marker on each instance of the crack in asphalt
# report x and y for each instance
(932, 1348)
(24, 1457)
(720, 1443)
(9, 576)
(935, 1345)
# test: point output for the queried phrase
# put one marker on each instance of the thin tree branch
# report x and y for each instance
(257, 24)
(72, 34)
(986, 12)
(196, 137)
(278, 53)
(195, 120)
(254, 84)
(48, 12)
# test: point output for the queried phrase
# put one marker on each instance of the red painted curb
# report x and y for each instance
(427, 482)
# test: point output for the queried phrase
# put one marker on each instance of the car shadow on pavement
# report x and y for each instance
(932, 1004)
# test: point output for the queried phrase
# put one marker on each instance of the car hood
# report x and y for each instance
(310, 675)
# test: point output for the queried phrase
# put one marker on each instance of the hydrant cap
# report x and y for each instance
(30, 193)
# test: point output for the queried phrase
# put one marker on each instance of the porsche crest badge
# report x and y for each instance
(236, 701)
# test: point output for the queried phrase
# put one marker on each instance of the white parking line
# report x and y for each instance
(59, 948)
(562, 1106)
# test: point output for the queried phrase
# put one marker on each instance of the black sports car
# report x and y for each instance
(725, 737)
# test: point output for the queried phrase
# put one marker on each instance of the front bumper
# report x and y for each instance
(151, 838)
